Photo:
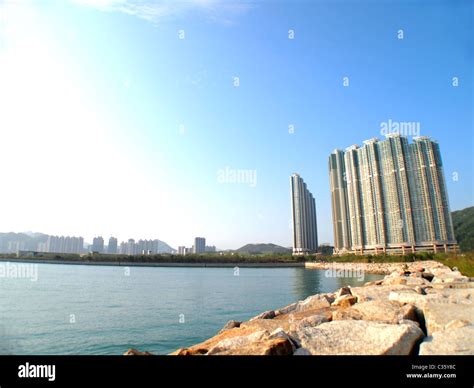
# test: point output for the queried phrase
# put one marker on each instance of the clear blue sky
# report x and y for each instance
(107, 88)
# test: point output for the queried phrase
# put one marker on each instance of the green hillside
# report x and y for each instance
(262, 249)
(463, 222)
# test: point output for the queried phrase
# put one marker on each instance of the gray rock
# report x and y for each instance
(270, 314)
(302, 352)
(230, 325)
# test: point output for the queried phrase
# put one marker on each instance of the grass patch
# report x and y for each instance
(464, 262)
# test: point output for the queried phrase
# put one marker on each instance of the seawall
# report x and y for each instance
(419, 308)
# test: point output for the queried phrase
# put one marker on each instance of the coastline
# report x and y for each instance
(419, 308)
(167, 264)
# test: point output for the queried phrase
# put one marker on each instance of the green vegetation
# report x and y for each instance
(463, 223)
(464, 262)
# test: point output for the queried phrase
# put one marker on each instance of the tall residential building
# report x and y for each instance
(62, 244)
(390, 196)
(210, 248)
(303, 209)
(98, 244)
(199, 245)
(112, 246)
(131, 248)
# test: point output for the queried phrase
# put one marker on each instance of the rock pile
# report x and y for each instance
(424, 309)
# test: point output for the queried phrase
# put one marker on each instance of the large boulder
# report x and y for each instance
(418, 278)
(365, 294)
(450, 277)
(411, 296)
(268, 347)
(440, 315)
(458, 341)
(238, 341)
(270, 314)
(204, 347)
(359, 338)
(312, 320)
(230, 325)
(266, 324)
(377, 310)
(262, 342)
(313, 302)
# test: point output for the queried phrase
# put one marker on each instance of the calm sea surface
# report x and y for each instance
(76, 309)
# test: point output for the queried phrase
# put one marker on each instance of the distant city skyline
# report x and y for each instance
(41, 242)
(189, 122)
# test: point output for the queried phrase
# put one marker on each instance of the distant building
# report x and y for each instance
(390, 196)
(181, 250)
(130, 247)
(98, 244)
(326, 249)
(303, 209)
(141, 247)
(112, 246)
(41, 247)
(123, 248)
(62, 244)
(15, 246)
(199, 245)
(210, 248)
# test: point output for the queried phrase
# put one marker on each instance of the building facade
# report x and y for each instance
(98, 244)
(303, 210)
(63, 244)
(199, 245)
(390, 196)
(211, 248)
(112, 247)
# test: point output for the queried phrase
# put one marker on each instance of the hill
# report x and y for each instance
(262, 248)
(463, 222)
(27, 241)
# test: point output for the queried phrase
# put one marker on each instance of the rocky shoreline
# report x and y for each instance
(374, 268)
(419, 308)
